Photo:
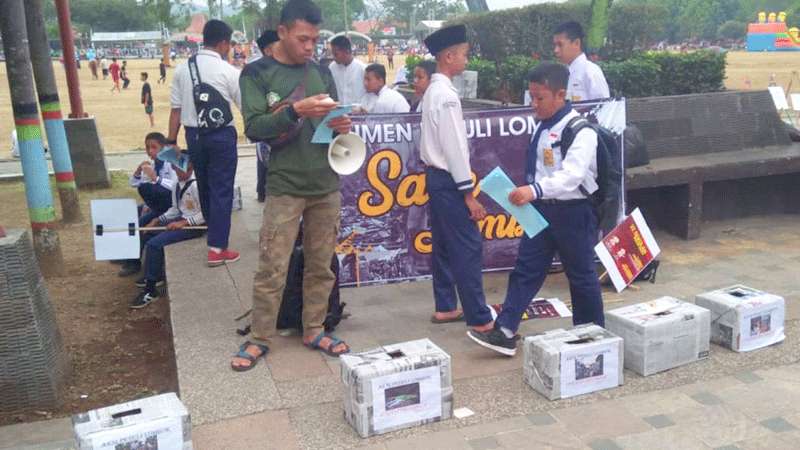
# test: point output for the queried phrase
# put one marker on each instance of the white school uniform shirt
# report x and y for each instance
(562, 179)
(387, 100)
(586, 80)
(349, 81)
(443, 141)
(214, 71)
(166, 177)
(185, 204)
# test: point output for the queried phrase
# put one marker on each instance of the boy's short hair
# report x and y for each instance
(573, 30)
(378, 70)
(156, 136)
(554, 76)
(114, 59)
(305, 10)
(429, 66)
(216, 31)
(342, 43)
(144, 74)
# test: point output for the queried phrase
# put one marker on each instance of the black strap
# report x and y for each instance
(185, 187)
(194, 72)
(573, 127)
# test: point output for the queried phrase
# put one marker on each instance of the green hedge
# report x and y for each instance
(513, 75)
(488, 80)
(522, 31)
(663, 73)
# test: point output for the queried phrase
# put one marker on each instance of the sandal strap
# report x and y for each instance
(244, 355)
(261, 348)
(315, 342)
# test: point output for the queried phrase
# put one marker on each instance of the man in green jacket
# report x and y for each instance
(284, 97)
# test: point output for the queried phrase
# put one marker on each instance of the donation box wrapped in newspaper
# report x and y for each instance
(397, 386)
(160, 422)
(565, 363)
(661, 334)
(744, 319)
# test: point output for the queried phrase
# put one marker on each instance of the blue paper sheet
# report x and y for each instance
(324, 134)
(177, 159)
(497, 185)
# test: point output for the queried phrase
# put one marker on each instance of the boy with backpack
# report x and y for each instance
(560, 184)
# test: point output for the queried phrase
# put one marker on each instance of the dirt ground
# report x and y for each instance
(120, 117)
(117, 354)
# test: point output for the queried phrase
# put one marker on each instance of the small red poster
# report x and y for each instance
(627, 250)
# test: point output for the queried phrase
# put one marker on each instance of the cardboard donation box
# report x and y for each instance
(744, 319)
(661, 334)
(397, 386)
(565, 363)
(160, 422)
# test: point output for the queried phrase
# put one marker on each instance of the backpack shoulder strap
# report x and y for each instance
(571, 129)
(193, 71)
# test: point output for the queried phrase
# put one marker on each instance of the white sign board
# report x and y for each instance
(778, 97)
(111, 222)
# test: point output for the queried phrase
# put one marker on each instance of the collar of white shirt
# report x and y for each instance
(578, 61)
(208, 52)
(441, 78)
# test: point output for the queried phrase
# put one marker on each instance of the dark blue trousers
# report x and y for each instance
(156, 197)
(457, 245)
(214, 157)
(573, 233)
(154, 244)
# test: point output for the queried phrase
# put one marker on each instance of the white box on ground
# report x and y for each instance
(743, 318)
(159, 422)
(397, 386)
(661, 334)
(565, 363)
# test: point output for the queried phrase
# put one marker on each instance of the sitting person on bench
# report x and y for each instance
(185, 211)
(154, 179)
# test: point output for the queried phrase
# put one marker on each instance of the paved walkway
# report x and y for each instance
(730, 400)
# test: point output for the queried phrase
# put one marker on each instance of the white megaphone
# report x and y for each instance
(346, 153)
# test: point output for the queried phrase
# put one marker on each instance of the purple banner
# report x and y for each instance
(385, 231)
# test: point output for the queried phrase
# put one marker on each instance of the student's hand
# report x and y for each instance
(314, 107)
(476, 210)
(152, 223)
(521, 195)
(176, 225)
(150, 172)
(341, 124)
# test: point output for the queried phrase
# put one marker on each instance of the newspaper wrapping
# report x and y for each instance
(397, 386)
(743, 318)
(161, 422)
(661, 334)
(565, 363)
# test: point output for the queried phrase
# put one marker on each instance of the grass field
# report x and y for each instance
(123, 124)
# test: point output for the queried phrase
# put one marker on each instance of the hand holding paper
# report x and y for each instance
(324, 134)
(498, 186)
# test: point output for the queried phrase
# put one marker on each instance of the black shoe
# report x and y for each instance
(129, 269)
(142, 283)
(494, 339)
(143, 299)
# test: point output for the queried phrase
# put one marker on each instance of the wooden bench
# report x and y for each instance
(712, 156)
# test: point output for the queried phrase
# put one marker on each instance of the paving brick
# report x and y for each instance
(441, 440)
(669, 438)
(604, 444)
(541, 419)
(607, 419)
(486, 443)
(778, 425)
(706, 398)
(659, 421)
(748, 377)
(247, 433)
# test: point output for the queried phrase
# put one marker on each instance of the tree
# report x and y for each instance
(732, 29)
(410, 11)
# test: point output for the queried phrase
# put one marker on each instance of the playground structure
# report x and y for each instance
(770, 33)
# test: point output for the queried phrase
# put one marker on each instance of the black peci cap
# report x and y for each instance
(266, 38)
(446, 37)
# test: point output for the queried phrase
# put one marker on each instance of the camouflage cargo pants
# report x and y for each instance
(279, 230)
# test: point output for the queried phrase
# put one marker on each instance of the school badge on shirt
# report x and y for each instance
(547, 156)
(190, 204)
(272, 99)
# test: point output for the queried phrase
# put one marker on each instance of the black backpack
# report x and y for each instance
(213, 111)
(606, 199)
(290, 314)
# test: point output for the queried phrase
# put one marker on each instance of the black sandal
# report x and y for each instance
(244, 355)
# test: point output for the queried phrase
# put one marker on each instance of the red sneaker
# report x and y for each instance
(223, 257)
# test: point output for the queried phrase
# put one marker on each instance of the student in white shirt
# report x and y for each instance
(454, 210)
(554, 185)
(586, 79)
(380, 99)
(214, 153)
(347, 71)
(422, 79)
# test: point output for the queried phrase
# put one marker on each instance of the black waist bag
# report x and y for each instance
(213, 111)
